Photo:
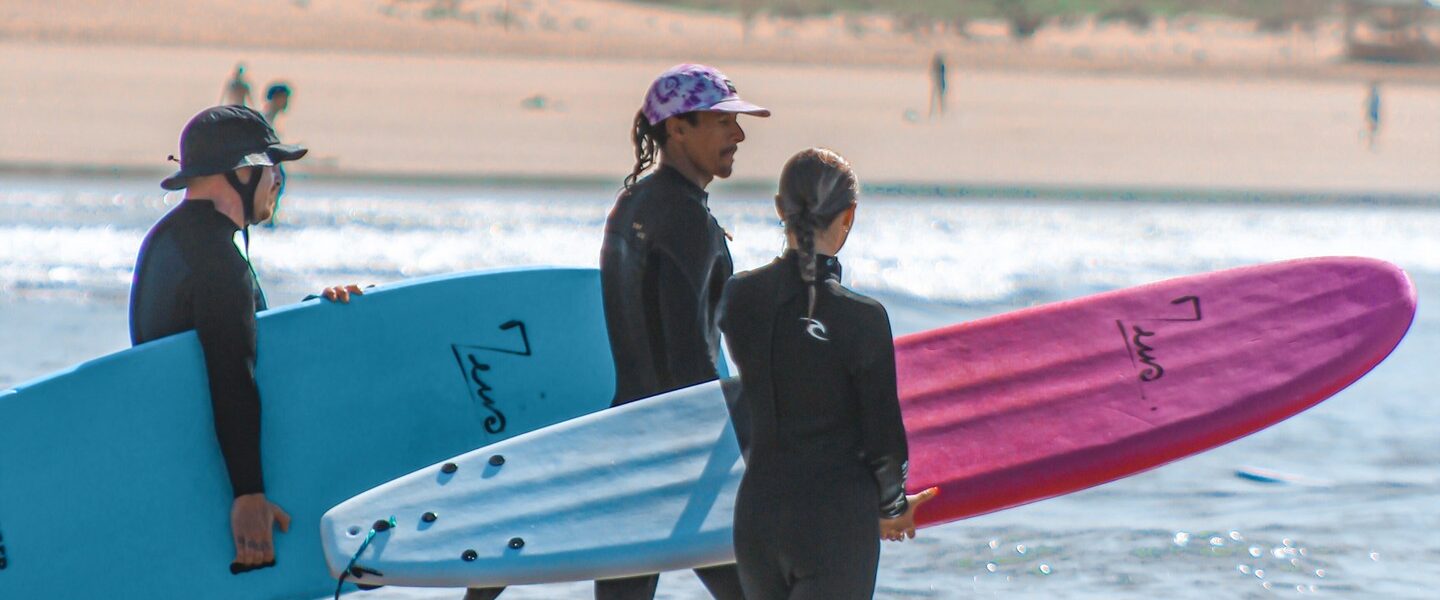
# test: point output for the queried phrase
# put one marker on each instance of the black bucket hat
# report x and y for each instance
(225, 138)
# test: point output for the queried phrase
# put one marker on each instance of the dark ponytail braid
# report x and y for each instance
(647, 140)
(816, 186)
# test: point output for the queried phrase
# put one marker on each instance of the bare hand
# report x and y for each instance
(903, 526)
(251, 518)
(341, 293)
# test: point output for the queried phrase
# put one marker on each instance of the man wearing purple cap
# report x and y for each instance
(664, 260)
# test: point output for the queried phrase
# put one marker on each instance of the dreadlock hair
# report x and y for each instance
(648, 141)
(816, 186)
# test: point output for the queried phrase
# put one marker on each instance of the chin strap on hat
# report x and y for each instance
(247, 198)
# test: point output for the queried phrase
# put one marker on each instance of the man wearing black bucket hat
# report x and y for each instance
(191, 275)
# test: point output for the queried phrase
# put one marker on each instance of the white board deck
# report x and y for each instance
(645, 487)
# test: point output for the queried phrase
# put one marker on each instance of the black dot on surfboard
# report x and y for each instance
(497, 460)
(1153, 409)
(517, 543)
(449, 468)
(381, 525)
(429, 517)
(469, 555)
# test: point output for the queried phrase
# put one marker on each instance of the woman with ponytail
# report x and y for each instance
(826, 458)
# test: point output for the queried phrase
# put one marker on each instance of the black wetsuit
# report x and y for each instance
(827, 454)
(190, 275)
(662, 268)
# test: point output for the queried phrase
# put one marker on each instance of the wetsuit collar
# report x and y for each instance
(208, 206)
(673, 176)
(827, 268)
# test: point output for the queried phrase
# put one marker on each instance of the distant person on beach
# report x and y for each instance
(237, 91)
(1372, 114)
(827, 457)
(192, 275)
(277, 101)
(938, 84)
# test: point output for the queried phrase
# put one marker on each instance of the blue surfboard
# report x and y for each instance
(112, 484)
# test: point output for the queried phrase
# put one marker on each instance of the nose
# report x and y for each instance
(739, 132)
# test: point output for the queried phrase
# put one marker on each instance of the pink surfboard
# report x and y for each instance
(1000, 412)
(1050, 400)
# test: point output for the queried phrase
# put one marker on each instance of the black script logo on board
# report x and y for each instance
(1141, 342)
(476, 368)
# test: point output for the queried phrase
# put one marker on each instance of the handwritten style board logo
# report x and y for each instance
(476, 365)
(1140, 339)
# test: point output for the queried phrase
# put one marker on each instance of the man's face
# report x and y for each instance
(710, 143)
(268, 193)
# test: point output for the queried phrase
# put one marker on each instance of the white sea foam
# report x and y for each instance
(964, 251)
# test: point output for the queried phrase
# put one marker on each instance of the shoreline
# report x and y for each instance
(131, 175)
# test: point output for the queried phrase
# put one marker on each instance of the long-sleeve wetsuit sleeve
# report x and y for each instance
(881, 426)
(678, 320)
(225, 323)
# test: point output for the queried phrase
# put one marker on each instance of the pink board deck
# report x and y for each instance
(1050, 400)
(1000, 412)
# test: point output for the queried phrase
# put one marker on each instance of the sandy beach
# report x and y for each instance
(384, 92)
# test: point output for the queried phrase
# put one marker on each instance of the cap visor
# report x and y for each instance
(178, 181)
(740, 106)
(284, 152)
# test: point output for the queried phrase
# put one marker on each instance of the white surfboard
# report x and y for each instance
(657, 476)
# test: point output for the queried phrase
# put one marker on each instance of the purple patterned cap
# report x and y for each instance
(686, 88)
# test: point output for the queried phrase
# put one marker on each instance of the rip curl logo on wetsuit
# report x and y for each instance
(816, 329)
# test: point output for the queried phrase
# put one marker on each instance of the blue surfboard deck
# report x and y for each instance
(112, 484)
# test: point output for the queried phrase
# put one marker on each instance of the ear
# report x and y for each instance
(779, 212)
(848, 217)
(675, 128)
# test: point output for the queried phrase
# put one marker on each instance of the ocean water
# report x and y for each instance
(1359, 518)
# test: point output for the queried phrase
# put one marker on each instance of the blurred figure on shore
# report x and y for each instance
(938, 84)
(277, 101)
(1372, 114)
(237, 91)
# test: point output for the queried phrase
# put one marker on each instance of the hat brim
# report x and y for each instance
(273, 155)
(737, 105)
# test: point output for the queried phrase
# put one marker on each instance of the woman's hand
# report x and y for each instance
(903, 526)
(341, 293)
